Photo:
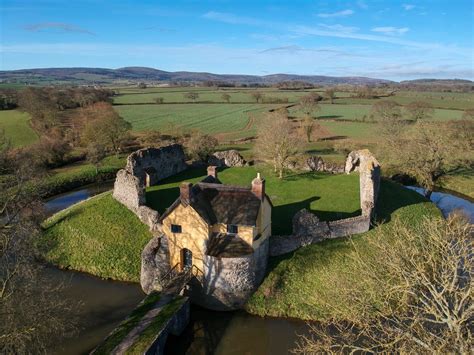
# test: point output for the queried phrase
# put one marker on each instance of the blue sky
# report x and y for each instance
(386, 39)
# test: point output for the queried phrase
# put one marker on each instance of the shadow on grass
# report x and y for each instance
(329, 116)
(322, 151)
(392, 197)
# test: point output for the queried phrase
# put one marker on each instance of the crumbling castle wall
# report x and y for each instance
(155, 263)
(307, 229)
(157, 164)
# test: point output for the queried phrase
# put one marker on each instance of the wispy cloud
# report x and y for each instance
(408, 7)
(160, 29)
(389, 30)
(56, 26)
(294, 49)
(339, 28)
(342, 13)
(233, 19)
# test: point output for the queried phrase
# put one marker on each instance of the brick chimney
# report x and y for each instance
(212, 171)
(185, 192)
(258, 187)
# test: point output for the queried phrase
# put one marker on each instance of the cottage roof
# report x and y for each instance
(218, 203)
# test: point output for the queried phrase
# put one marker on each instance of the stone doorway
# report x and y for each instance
(186, 259)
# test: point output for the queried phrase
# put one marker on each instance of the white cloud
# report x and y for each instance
(408, 7)
(389, 30)
(342, 13)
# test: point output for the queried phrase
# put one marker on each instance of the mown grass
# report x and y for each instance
(99, 236)
(328, 196)
(17, 127)
(301, 284)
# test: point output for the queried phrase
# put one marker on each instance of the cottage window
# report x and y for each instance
(176, 228)
(232, 229)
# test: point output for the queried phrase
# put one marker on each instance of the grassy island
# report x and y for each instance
(102, 237)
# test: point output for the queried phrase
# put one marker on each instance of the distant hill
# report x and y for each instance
(437, 81)
(136, 74)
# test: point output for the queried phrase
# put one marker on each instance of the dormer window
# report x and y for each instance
(232, 229)
(176, 228)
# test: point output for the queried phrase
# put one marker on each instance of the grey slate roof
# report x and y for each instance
(218, 203)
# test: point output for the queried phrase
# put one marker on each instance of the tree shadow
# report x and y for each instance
(308, 175)
(322, 151)
(328, 116)
(333, 138)
(392, 197)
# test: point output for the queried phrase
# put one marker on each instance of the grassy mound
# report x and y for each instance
(99, 236)
(301, 284)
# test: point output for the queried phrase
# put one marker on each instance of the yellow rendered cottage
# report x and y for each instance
(217, 220)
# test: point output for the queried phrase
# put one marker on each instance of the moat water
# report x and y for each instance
(106, 303)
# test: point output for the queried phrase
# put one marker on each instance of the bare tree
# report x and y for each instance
(308, 127)
(257, 96)
(428, 151)
(276, 142)
(309, 104)
(32, 309)
(226, 97)
(192, 95)
(387, 113)
(95, 154)
(159, 100)
(200, 146)
(330, 93)
(419, 110)
(424, 302)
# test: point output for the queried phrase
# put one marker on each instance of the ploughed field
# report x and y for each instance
(102, 237)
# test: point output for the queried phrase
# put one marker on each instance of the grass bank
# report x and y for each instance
(302, 284)
(99, 236)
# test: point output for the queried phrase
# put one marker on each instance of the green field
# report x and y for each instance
(210, 118)
(17, 127)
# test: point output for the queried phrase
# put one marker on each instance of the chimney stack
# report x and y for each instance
(258, 187)
(212, 171)
(185, 191)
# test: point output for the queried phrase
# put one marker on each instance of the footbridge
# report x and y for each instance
(161, 313)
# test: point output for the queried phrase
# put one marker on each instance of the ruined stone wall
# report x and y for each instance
(129, 187)
(369, 176)
(227, 283)
(166, 161)
(307, 229)
(155, 263)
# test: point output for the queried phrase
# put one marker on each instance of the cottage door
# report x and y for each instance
(186, 259)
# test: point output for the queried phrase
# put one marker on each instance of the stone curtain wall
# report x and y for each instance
(227, 283)
(129, 187)
(307, 229)
(155, 263)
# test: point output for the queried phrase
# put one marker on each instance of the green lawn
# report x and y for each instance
(303, 284)
(17, 127)
(328, 196)
(99, 236)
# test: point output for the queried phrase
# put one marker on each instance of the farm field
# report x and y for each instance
(210, 118)
(17, 127)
